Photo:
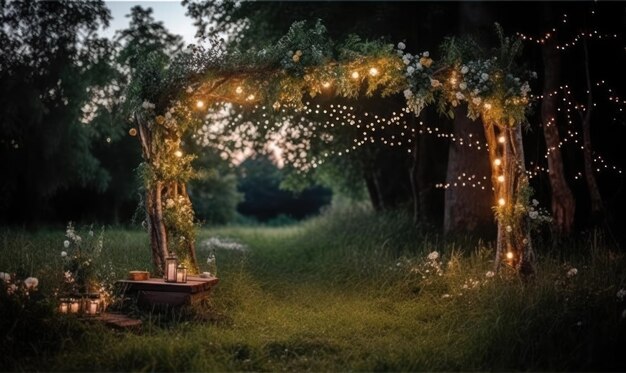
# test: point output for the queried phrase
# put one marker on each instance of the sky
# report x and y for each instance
(171, 13)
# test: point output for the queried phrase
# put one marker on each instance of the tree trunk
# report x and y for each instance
(563, 203)
(592, 185)
(467, 204)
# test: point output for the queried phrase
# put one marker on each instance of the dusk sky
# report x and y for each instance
(171, 13)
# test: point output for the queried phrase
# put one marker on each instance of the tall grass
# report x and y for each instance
(348, 291)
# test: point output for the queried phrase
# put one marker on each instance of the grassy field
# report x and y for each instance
(347, 291)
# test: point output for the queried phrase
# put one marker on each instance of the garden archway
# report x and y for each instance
(169, 101)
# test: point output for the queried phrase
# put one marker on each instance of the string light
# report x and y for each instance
(509, 255)
(501, 202)
(501, 179)
(497, 162)
(326, 84)
(239, 90)
(199, 104)
(355, 75)
(373, 71)
(501, 139)
(178, 153)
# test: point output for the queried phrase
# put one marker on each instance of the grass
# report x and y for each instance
(341, 292)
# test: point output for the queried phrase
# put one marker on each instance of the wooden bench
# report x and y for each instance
(156, 292)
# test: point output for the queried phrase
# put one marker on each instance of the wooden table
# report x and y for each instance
(157, 292)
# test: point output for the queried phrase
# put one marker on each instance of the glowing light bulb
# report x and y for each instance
(250, 98)
(199, 104)
(178, 153)
(487, 106)
(501, 178)
(326, 84)
(509, 255)
(501, 139)
(497, 162)
(501, 202)
(239, 90)
(355, 75)
(373, 71)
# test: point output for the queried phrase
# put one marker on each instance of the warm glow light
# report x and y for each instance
(199, 104)
(501, 139)
(373, 71)
(497, 162)
(509, 255)
(250, 98)
(487, 106)
(239, 90)
(355, 75)
(326, 84)
(501, 202)
(178, 153)
(501, 178)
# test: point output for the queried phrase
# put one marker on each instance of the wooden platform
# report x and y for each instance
(157, 292)
(118, 321)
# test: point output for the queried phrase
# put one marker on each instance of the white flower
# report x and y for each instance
(464, 70)
(463, 85)
(31, 282)
(533, 214)
(426, 54)
(477, 100)
(533, 74)
(509, 229)
(459, 96)
(489, 274)
(419, 67)
(408, 94)
(5, 277)
(621, 294)
(147, 105)
(435, 83)
(168, 115)
(484, 76)
(189, 89)
(410, 70)
(433, 256)
(90, 233)
(66, 244)
(63, 254)
(572, 272)
(11, 289)
(401, 45)
(535, 202)
(407, 58)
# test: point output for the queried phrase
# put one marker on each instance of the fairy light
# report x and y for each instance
(509, 255)
(501, 202)
(178, 153)
(501, 139)
(199, 104)
(326, 84)
(239, 90)
(355, 75)
(497, 162)
(373, 71)
(501, 179)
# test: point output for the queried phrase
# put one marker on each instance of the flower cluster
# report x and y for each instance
(419, 77)
(13, 286)
(82, 270)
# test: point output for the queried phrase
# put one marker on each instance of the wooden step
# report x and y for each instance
(118, 321)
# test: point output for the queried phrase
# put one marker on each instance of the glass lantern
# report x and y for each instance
(64, 305)
(74, 305)
(91, 305)
(181, 273)
(171, 263)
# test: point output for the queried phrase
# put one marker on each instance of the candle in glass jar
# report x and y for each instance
(63, 307)
(180, 276)
(93, 307)
(74, 307)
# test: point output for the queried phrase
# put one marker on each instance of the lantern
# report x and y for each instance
(64, 305)
(170, 268)
(181, 273)
(91, 305)
(74, 305)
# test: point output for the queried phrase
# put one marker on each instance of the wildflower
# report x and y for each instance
(463, 85)
(459, 96)
(426, 54)
(168, 115)
(572, 272)
(476, 100)
(63, 254)
(464, 70)
(509, 229)
(435, 83)
(147, 105)
(621, 294)
(535, 202)
(533, 214)
(419, 67)
(31, 282)
(401, 46)
(66, 244)
(484, 77)
(5, 277)
(489, 274)
(410, 70)
(426, 61)
(408, 94)
(433, 256)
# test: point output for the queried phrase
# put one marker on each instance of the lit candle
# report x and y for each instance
(74, 307)
(93, 307)
(180, 276)
(63, 307)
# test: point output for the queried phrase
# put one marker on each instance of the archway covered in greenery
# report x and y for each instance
(168, 102)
